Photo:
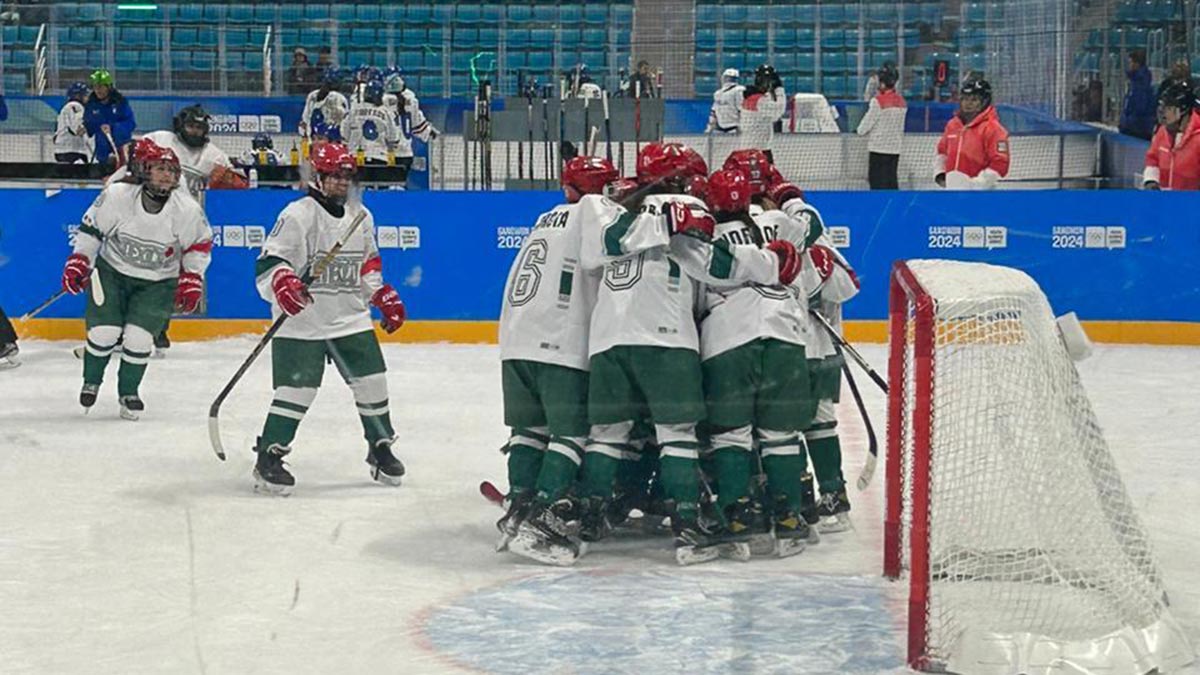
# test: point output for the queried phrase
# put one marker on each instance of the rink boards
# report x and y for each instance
(1125, 262)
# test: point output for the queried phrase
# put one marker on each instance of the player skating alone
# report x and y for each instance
(140, 252)
(752, 346)
(329, 318)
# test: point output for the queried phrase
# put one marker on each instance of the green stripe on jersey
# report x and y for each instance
(614, 233)
(91, 231)
(721, 265)
(264, 265)
(565, 282)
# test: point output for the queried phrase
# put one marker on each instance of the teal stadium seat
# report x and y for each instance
(28, 35)
(189, 14)
(435, 38)
(489, 38)
(240, 14)
(833, 38)
(706, 38)
(806, 39)
(806, 15)
(465, 37)
(206, 37)
(266, 13)
(593, 39)
(468, 15)
(237, 38)
(519, 15)
(316, 12)
(148, 60)
(204, 61)
(363, 38)
(492, 15)
(708, 16)
(706, 62)
(756, 40)
(785, 39)
(833, 62)
(805, 84)
(432, 86)
(344, 13)
(544, 15)
(706, 85)
(539, 61)
(392, 13)
(253, 61)
(882, 38)
(595, 60)
(733, 15)
(570, 15)
(806, 62)
(782, 15)
(183, 37)
(832, 14)
(130, 37)
(291, 15)
(181, 60)
(595, 14)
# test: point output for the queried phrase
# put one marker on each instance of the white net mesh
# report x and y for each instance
(1034, 551)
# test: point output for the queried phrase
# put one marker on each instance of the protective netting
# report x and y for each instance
(1033, 552)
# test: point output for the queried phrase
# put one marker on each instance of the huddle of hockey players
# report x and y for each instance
(658, 359)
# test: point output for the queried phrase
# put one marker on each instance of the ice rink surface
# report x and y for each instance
(126, 547)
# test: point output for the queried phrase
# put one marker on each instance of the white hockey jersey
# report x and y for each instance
(726, 112)
(70, 134)
(410, 121)
(304, 233)
(150, 246)
(649, 299)
(197, 164)
(759, 114)
(372, 128)
(550, 292)
(737, 315)
(331, 109)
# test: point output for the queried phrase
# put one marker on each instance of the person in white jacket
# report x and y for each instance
(762, 110)
(71, 142)
(727, 104)
(884, 126)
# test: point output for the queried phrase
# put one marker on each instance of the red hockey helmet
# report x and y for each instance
(756, 167)
(620, 189)
(333, 158)
(728, 191)
(669, 161)
(587, 176)
(697, 186)
(147, 154)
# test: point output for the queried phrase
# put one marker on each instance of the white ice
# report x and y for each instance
(126, 547)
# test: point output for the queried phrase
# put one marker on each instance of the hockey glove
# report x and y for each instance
(789, 260)
(75, 274)
(681, 219)
(780, 193)
(822, 260)
(391, 306)
(187, 295)
(290, 293)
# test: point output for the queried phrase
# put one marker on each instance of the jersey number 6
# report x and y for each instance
(529, 277)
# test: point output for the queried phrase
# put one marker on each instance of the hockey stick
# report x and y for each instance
(116, 151)
(314, 272)
(38, 310)
(858, 358)
(587, 127)
(637, 118)
(547, 153)
(607, 129)
(868, 470)
(529, 127)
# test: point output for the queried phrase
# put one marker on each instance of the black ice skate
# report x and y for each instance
(791, 531)
(550, 535)
(517, 506)
(741, 522)
(808, 508)
(131, 407)
(87, 396)
(385, 468)
(593, 519)
(270, 475)
(693, 544)
(834, 510)
(8, 356)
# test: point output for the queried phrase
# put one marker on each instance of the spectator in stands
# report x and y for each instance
(1173, 162)
(299, 75)
(727, 104)
(108, 118)
(973, 152)
(884, 126)
(643, 84)
(71, 144)
(1138, 112)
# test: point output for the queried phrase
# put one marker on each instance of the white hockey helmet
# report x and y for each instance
(730, 75)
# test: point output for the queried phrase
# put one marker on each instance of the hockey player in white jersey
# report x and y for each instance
(752, 347)
(204, 164)
(324, 104)
(71, 142)
(762, 110)
(370, 128)
(643, 345)
(329, 318)
(726, 112)
(412, 123)
(261, 152)
(140, 252)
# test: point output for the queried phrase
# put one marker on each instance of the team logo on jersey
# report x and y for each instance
(340, 275)
(140, 253)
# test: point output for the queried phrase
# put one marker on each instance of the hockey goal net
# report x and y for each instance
(1004, 507)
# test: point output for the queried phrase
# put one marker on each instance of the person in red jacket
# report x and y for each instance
(973, 152)
(1173, 162)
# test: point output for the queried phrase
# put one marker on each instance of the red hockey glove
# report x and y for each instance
(822, 260)
(391, 306)
(187, 295)
(291, 293)
(75, 274)
(789, 260)
(681, 219)
(780, 193)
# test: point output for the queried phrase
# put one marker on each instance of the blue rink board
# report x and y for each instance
(1108, 255)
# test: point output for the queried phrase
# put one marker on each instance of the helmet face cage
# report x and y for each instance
(332, 160)
(146, 155)
(1177, 94)
(192, 116)
(977, 87)
(765, 78)
(373, 92)
(394, 84)
(262, 142)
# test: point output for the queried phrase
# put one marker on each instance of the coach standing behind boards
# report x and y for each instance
(973, 153)
(108, 118)
(884, 126)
